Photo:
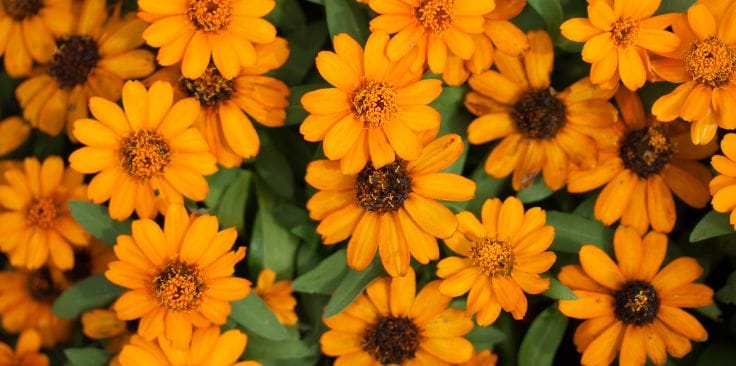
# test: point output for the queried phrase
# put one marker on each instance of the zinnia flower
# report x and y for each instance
(392, 209)
(390, 324)
(376, 108)
(633, 307)
(94, 59)
(194, 32)
(723, 186)
(543, 131)
(482, 358)
(618, 39)
(27, 351)
(89, 260)
(277, 295)
(28, 29)
(147, 153)
(500, 259)
(705, 64)
(642, 168)
(13, 132)
(102, 324)
(37, 225)
(178, 278)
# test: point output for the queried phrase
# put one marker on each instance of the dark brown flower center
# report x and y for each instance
(711, 62)
(179, 286)
(82, 265)
(21, 9)
(41, 286)
(646, 151)
(43, 213)
(436, 16)
(210, 15)
(392, 340)
(74, 59)
(144, 154)
(539, 114)
(375, 103)
(493, 257)
(636, 303)
(624, 31)
(384, 189)
(210, 89)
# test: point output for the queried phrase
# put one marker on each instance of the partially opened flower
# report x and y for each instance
(390, 324)
(27, 351)
(393, 210)
(179, 278)
(277, 295)
(723, 186)
(633, 309)
(13, 132)
(146, 156)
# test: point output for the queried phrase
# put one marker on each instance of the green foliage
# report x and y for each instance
(572, 232)
(351, 286)
(325, 277)
(712, 225)
(87, 356)
(253, 314)
(90, 293)
(95, 220)
(542, 339)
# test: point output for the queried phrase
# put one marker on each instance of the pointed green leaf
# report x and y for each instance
(95, 219)
(252, 313)
(90, 293)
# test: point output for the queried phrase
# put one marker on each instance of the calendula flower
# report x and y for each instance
(13, 132)
(437, 28)
(94, 59)
(705, 65)
(392, 209)
(376, 108)
(277, 295)
(723, 186)
(197, 32)
(28, 29)
(482, 358)
(633, 308)
(145, 154)
(227, 104)
(642, 168)
(37, 226)
(179, 278)
(542, 130)
(500, 259)
(618, 37)
(27, 351)
(390, 324)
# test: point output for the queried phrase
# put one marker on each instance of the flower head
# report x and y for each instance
(27, 351)
(722, 186)
(277, 295)
(482, 358)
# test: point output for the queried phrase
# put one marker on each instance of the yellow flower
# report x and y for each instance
(722, 187)
(101, 324)
(27, 351)
(13, 132)
(277, 295)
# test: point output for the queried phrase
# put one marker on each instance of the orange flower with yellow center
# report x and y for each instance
(376, 109)
(179, 278)
(145, 154)
(27, 351)
(633, 308)
(705, 64)
(197, 32)
(542, 130)
(277, 295)
(618, 36)
(37, 226)
(723, 185)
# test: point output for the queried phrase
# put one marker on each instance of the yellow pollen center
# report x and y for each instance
(374, 103)
(638, 302)
(210, 15)
(43, 213)
(711, 62)
(492, 257)
(624, 31)
(179, 286)
(435, 16)
(144, 154)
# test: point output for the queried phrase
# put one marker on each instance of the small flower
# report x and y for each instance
(277, 295)
(723, 186)
(27, 351)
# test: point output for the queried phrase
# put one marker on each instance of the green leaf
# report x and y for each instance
(87, 356)
(485, 337)
(273, 168)
(455, 119)
(572, 231)
(674, 6)
(351, 286)
(218, 183)
(95, 219)
(536, 192)
(275, 245)
(347, 16)
(551, 12)
(559, 291)
(295, 113)
(543, 337)
(252, 313)
(231, 208)
(90, 293)
(727, 293)
(586, 208)
(260, 348)
(324, 278)
(712, 225)
(486, 187)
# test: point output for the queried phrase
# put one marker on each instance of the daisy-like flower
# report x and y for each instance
(179, 278)
(277, 295)
(500, 259)
(482, 358)
(27, 351)
(392, 209)
(94, 59)
(642, 168)
(227, 104)
(723, 186)
(148, 153)
(705, 64)
(618, 37)
(13, 132)
(28, 29)
(542, 130)
(376, 108)
(197, 32)
(37, 226)
(390, 324)
(436, 28)
(208, 348)
(634, 308)
(89, 260)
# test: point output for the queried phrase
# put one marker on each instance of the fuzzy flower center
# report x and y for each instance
(711, 62)
(539, 114)
(74, 59)
(493, 257)
(436, 16)
(145, 154)
(391, 340)
(41, 286)
(636, 303)
(179, 286)
(82, 265)
(210, 15)
(43, 213)
(646, 151)
(384, 189)
(21, 9)
(375, 103)
(210, 89)
(624, 31)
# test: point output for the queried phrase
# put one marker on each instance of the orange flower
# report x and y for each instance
(27, 351)
(722, 187)
(277, 295)
(482, 358)
(13, 132)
